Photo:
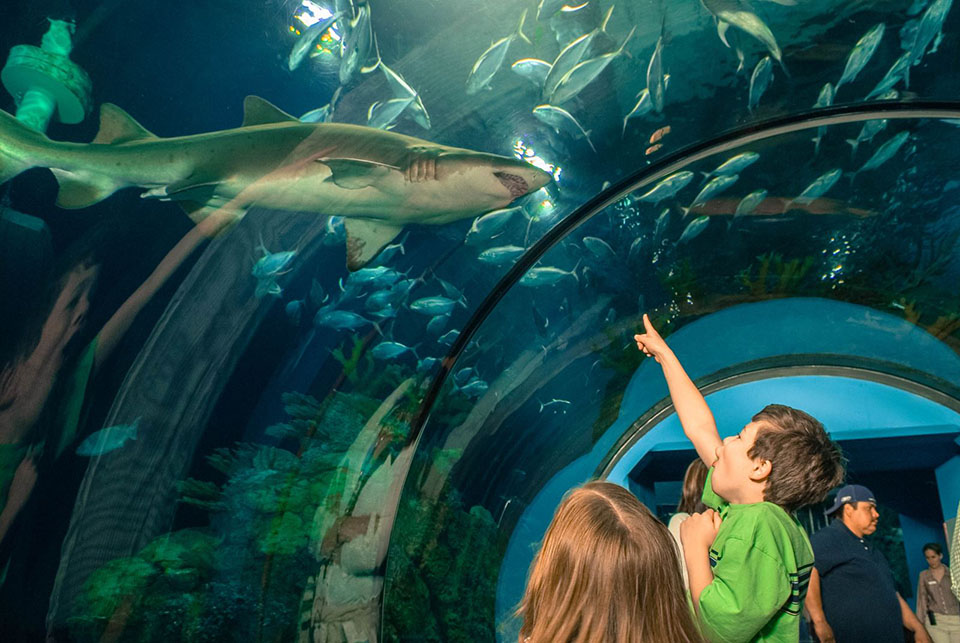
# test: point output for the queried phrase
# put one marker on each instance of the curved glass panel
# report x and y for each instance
(211, 428)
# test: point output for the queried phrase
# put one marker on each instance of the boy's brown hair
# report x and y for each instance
(805, 463)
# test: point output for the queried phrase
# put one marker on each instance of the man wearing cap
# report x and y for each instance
(852, 597)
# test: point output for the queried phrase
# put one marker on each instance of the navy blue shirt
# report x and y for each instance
(857, 587)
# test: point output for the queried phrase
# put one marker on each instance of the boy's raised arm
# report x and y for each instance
(695, 416)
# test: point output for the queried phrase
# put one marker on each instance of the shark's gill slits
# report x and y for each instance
(516, 184)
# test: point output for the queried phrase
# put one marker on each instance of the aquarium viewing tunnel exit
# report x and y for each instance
(315, 310)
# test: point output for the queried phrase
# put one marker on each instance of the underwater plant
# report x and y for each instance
(776, 277)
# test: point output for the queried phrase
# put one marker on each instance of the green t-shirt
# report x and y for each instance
(761, 560)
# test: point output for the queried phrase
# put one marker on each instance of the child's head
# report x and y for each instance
(607, 570)
(693, 481)
(784, 453)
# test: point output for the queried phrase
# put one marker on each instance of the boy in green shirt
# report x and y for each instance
(747, 557)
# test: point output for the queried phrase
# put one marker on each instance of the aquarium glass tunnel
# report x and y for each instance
(313, 311)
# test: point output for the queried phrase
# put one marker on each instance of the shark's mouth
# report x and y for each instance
(516, 184)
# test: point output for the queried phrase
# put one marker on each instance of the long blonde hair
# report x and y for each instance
(607, 572)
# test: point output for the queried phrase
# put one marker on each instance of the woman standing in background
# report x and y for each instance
(937, 607)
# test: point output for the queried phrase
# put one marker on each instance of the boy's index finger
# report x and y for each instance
(647, 326)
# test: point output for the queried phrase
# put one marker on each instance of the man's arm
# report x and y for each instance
(695, 416)
(911, 622)
(814, 604)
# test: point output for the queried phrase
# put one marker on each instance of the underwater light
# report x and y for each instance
(311, 13)
(526, 153)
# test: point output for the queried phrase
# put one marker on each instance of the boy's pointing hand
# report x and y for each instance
(650, 341)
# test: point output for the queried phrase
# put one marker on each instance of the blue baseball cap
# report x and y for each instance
(851, 493)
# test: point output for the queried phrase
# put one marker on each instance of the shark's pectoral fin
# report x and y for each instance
(117, 126)
(185, 191)
(355, 174)
(257, 111)
(365, 238)
(82, 189)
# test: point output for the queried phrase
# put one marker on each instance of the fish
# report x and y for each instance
(644, 104)
(655, 83)
(389, 252)
(391, 350)
(900, 70)
(546, 275)
(715, 186)
(489, 225)
(294, 311)
(434, 306)
(381, 300)
(552, 402)
(108, 439)
(570, 56)
(384, 114)
(489, 62)
(818, 188)
(667, 187)
(659, 134)
(547, 8)
(561, 120)
(734, 165)
(474, 388)
(448, 338)
(930, 25)
(737, 14)
(660, 226)
(693, 229)
(540, 322)
(307, 38)
(338, 319)
(884, 153)
(276, 162)
(749, 203)
(427, 364)
(501, 255)
(653, 149)
(861, 54)
(267, 287)
(437, 325)
(586, 72)
(272, 264)
(599, 248)
(356, 46)
(870, 129)
(825, 99)
(402, 89)
(532, 69)
(387, 312)
(375, 276)
(759, 81)
(450, 290)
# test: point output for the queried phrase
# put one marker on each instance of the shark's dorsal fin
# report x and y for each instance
(257, 111)
(365, 238)
(117, 126)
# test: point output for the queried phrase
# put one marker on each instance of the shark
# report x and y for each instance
(378, 181)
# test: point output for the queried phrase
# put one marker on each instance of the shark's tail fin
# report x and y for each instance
(13, 134)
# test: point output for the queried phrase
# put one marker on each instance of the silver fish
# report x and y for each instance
(306, 40)
(546, 276)
(108, 439)
(434, 305)
(402, 89)
(655, 83)
(759, 81)
(271, 264)
(667, 188)
(391, 350)
(489, 62)
(356, 46)
(448, 338)
(884, 153)
(384, 114)
(599, 248)
(715, 186)
(570, 56)
(437, 325)
(930, 25)
(825, 99)
(489, 225)
(694, 228)
(818, 188)
(562, 120)
(661, 225)
(737, 14)
(338, 319)
(749, 203)
(532, 69)
(734, 165)
(475, 388)
(585, 73)
(502, 255)
(870, 129)
(900, 70)
(644, 104)
(861, 54)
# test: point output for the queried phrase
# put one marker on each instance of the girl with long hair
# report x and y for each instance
(608, 572)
